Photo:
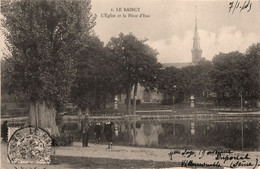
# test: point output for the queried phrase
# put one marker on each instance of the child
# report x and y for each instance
(108, 133)
(98, 128)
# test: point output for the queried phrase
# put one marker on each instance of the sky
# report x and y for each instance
(170, 25)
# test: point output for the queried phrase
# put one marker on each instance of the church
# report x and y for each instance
(156, 97)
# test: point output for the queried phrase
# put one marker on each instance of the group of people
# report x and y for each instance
(108, 131)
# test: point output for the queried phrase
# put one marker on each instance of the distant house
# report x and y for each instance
(145, 96)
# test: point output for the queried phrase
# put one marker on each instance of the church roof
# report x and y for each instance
(177, 65)
(196, 38)
(196, 50)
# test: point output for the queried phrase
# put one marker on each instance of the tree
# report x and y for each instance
(230, 77)
(43, 37)
(170, 82)
(96, 76)
(253, 64)
(137, 63)
(196, 79)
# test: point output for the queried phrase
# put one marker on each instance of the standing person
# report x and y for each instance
(108, 133)
(85, 131)
(98, 128)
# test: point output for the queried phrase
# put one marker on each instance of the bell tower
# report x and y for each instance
(196, 50)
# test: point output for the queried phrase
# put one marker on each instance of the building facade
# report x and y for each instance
(145, 96)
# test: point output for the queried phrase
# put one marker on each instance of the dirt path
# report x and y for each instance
(117, 152)
(155, 154)
(138, 153)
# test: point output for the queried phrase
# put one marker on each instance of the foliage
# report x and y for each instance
(196, 79)
(69, 126)
(181, 83)
(167, 101)
(63, 140)
(170, 83)
(253, 64)
(136, 60)
(43, 37)
(95, 77)
(230, 76)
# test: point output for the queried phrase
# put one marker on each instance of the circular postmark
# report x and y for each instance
(29, 145)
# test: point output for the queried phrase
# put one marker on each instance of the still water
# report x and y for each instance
(188, 134)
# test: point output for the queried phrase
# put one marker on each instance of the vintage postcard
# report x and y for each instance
(130, 84)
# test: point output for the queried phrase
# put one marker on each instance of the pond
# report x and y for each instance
(232, 134)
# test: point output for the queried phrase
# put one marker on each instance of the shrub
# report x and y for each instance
(63, 140)
(167, 102)
(4, 131)
(69, 126)
(138, 101)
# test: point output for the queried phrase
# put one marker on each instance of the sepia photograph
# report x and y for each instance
(130, 84)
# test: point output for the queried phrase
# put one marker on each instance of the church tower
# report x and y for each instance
(196, 51)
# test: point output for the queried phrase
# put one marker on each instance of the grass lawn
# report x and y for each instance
(88, 162)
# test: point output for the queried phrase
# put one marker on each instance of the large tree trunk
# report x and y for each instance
(43, 115)
(134, 104)
(128, 100)
(134, 132)
(129, 131)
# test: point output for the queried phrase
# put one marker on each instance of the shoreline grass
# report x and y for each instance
(91, 162)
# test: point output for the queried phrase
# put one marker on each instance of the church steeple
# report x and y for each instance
(196, 51)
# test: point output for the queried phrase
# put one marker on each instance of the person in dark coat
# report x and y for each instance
(97, 129)
(85, 131)
(108, 133)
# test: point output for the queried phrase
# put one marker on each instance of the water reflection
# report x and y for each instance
(189, 133)
(192, 134)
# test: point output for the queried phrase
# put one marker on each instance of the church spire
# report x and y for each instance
(196, 51)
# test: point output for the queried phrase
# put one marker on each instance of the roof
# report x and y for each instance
(177, 65)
